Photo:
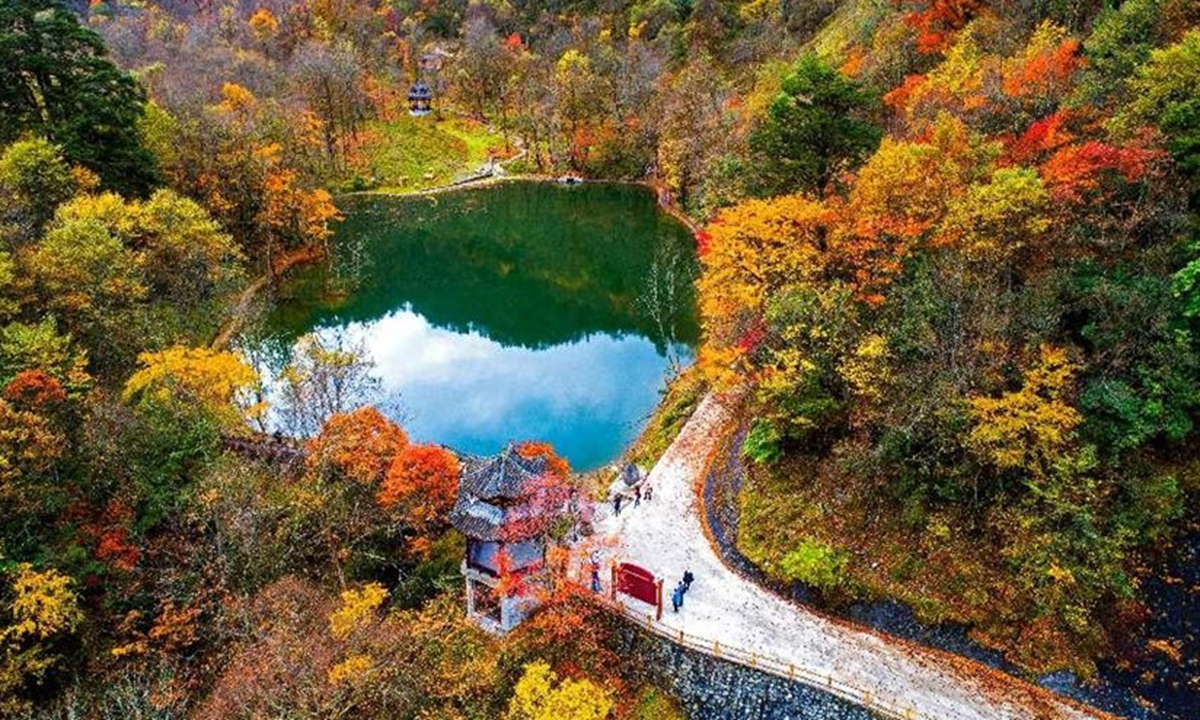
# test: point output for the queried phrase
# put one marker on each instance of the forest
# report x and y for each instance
(949, 248)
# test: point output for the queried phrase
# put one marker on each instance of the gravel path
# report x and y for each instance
(666, 537)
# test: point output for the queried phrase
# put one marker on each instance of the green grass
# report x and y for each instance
(407, 153)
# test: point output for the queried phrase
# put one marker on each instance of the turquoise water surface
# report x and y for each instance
(520, 311)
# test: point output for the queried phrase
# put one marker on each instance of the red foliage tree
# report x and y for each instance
(898, 98)
(1078, 172)
(1043, 72)
(938, 20)
(1046, 135)
(554, 463)
(34, 390)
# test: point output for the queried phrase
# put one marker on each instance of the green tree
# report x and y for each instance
(815, 127)
(93, 284)
(1120, 41)
(1164, 94)
(34, 179)
(59, 83)
(8, 276)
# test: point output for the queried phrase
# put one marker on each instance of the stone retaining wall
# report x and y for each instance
(709, 688)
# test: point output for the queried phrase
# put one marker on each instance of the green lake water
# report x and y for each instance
(518, 311)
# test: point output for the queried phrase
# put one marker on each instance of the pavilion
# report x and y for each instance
(506, 504)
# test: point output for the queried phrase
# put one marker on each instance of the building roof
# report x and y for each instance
(504, 477)
(505, 497)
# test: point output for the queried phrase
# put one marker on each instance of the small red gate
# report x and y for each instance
(638, 582)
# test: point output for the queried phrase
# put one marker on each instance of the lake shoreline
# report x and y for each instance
(314, 252)
(515, 268)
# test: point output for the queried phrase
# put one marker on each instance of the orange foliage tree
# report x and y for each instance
(359, 446)
(555, 464)
(421, 485)
(937, 21)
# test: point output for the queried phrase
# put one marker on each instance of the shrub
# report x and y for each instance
(762, 443)
(816, 564)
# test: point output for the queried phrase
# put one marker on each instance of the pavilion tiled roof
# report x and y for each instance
(500, 497)
(502, 478)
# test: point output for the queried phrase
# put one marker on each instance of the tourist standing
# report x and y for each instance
(688, 577)
(677, 597)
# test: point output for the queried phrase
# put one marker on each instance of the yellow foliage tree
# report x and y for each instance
(214, 378)
(351, 671)
(756, 249)
(263, 24)
(236, 99)
(44, 607)
(538, 697)
(357, 610)
(866, 369)
(1028, 428)
(993, 222)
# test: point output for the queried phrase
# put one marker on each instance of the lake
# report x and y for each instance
(523, 310)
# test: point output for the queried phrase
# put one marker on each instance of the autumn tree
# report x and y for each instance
(1163, 93)
(330, 80)
(215, 380)
(483, 68)
(1000, 220)
(421, 486)
(360, 446)
(93, 284)
(41, 347)
(576, 102)
(327, 375)
(1029, 428)
(41, 608)
(30, 447)
(756, 250)
(539, 695)
(34, 180)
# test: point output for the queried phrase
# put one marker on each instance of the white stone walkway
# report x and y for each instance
(666, 537)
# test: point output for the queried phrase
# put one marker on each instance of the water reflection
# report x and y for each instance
(524, 311)
(470, 392)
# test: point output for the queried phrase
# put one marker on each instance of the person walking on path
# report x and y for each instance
(617, 505)
(688, 577)
(595, 574)
(677, 597)
(637, 496)
(649, 493)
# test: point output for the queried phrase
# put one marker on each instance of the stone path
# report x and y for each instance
(723, 610)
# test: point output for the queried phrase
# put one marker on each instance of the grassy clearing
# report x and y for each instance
(654, 704)
(405, 153)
